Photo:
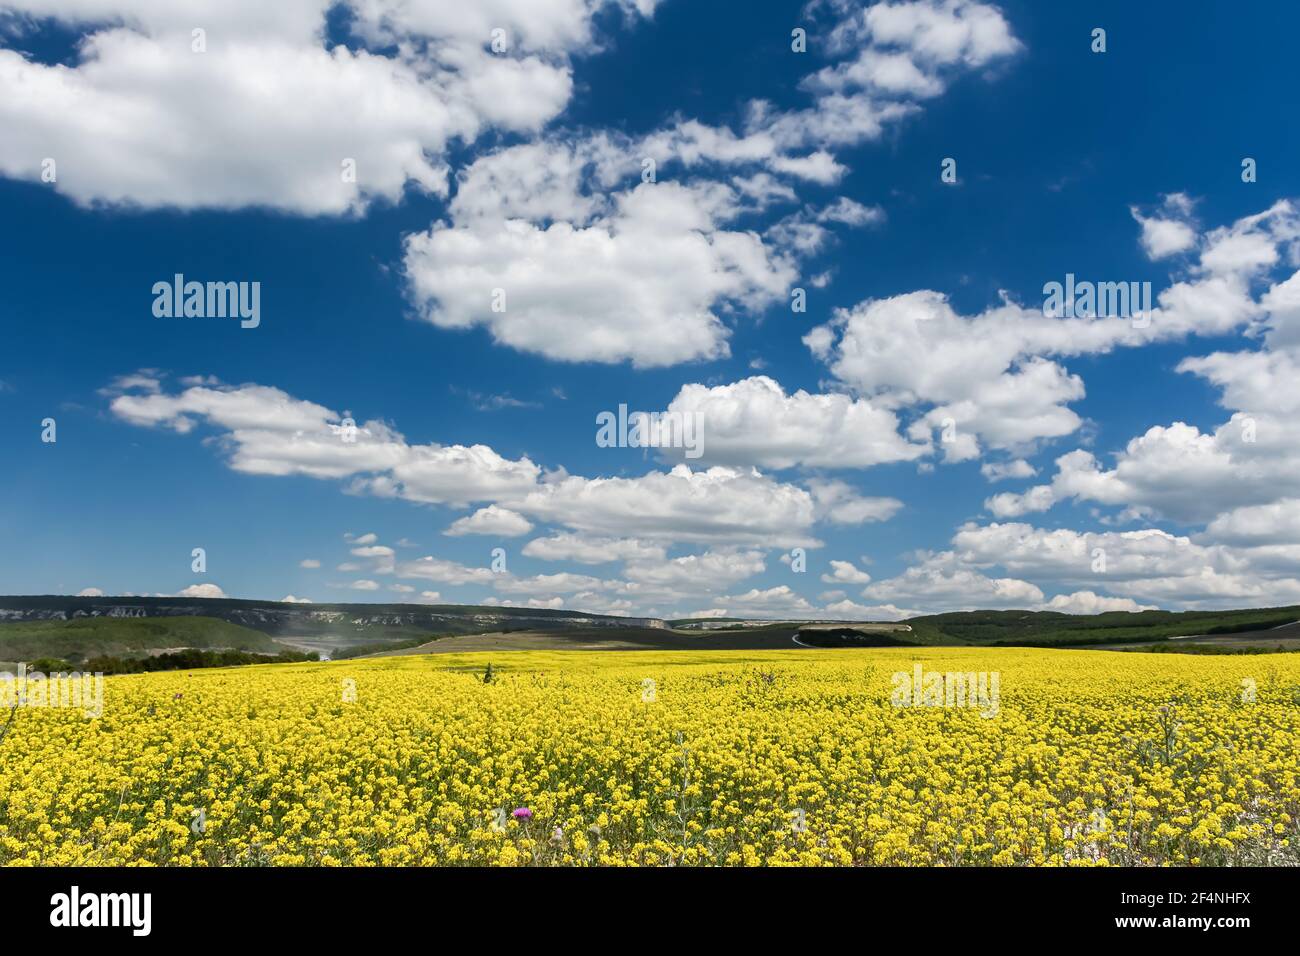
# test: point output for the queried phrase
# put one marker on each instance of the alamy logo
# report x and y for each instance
(209, 300)
(651, 430)
(1091, 300)
(62, 690)
(923, 688)
(72, 909)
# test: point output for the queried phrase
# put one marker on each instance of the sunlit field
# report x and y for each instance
(794, 757)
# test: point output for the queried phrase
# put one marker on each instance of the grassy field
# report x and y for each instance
(568, 758)
(83, 638)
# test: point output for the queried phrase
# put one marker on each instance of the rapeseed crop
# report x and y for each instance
(667, 758)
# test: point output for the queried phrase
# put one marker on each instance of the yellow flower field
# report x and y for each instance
(626, 758)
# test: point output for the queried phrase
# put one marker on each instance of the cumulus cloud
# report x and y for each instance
(201, 591)
(1178, 472)
(939, 584)
(852, 611)
(845, 572)
(1149, 564)
(1089, 602)
(754, 422)
(586, 549)
(689, 573)
(262, 110)
(839, 503)
(266, 431)
(890, 57)
(774, 602)
(443, 571)
(715, 505)
(1168, 231)
(1275, 523)
(642, 276)
(492, 520)
(577, 249)
(272, 433)
(995, 379)
(548, 584)
(850, 212)
(381, 557)
(1002, 470)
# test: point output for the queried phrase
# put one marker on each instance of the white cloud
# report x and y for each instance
(586, 549)
(993, 380)
(1088, 602)
(267, 114)
(90, 592)
(201, 591)
(1179, 472)
(269, 432)
(980, 373)
(1275, 523)
(309, 563)
(442, 571)
(897, 54)
(1169, 231)
(563, 249)
(290, 599)
(774, 602)
(838, 503)
(754, 422)
(492, 520)
(845, 572)
(541, 584)
(939, 584)
(364, 584)
(714, 506)
(1150, 564)
(556, 603)
(852, 611)
(643, 281)
(381, 557)
(849, 212)
(1002, 470)
(1011, 505)
(694, 573)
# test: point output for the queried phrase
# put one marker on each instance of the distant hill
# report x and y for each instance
(1054, 629)
(328, 629)
(83, 638)
(76, 627)
(278, 619)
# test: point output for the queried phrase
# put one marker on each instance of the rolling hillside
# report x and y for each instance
(1053, 629)
(77, 628)
(83, 638)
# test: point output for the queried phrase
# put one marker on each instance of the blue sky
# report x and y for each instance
(1152, 461)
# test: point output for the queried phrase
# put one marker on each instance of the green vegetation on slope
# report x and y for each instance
(86, 637)
(1054, 629)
